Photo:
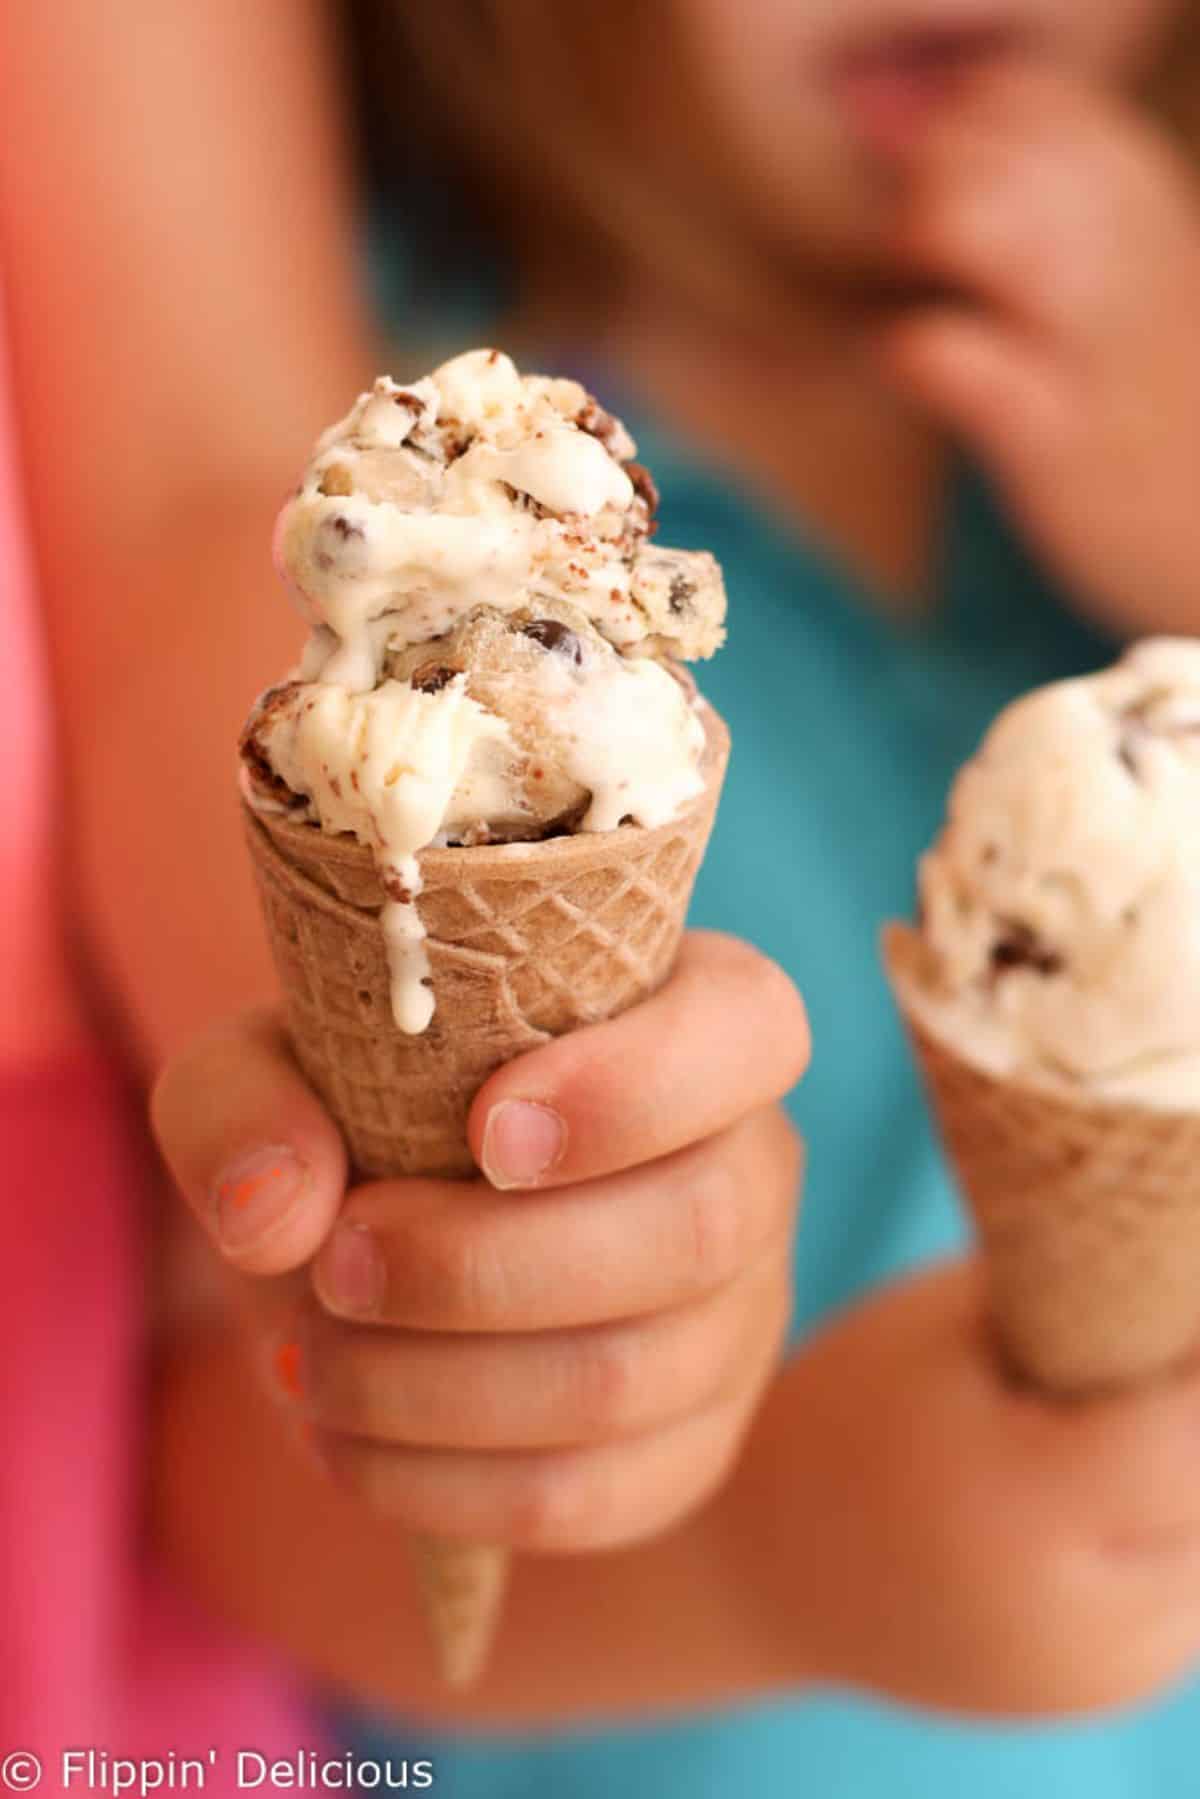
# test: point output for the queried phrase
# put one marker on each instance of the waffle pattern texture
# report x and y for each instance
(1088, 1215)
(526, 941)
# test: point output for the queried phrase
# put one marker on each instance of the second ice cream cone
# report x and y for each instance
(1088, 1214)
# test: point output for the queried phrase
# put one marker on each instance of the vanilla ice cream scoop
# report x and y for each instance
(1060, 907)
(495, 645)
(479, 486)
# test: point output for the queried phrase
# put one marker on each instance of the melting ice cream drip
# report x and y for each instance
(408, 961)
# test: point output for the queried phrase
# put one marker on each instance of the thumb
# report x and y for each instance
(258, 1159)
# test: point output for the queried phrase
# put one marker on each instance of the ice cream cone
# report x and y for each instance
(1088, 1213)
(526, 941)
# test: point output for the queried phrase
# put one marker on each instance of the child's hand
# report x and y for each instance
(1066, 350)
(936, 1533)
(568, 1365)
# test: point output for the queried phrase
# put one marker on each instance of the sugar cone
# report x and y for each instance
(462, 1590)
(1088, 1214)
(526, 941)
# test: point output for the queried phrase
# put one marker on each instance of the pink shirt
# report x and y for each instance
(97, 1648)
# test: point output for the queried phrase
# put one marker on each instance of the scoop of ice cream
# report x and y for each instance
(601, 737)
(580, 737)
(1061, 904)
(494, 644)
(480, 486)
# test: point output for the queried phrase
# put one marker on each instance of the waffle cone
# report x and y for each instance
(1088, 1215)
(526, 941)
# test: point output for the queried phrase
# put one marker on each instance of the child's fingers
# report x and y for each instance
(564, 1500)
(254, 1151)
(1016, 227)
(1034, 193)
(725, 1036)
(457, 1256)
(985, 380)
(543, 1389)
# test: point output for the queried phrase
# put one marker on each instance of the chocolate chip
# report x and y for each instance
(272, 704)
(555, 636)
(340, 544)
(1021, 948)
(643, 485)
(431, 677)
(593, 419)
(526, 501)
(680, 593)
(456, 441)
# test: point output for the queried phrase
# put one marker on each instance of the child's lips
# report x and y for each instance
(890, 88)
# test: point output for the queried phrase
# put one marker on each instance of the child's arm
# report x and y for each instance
(1066, 348)
(576, 1366)
(176, 236)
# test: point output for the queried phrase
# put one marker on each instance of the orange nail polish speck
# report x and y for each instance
(255, 1195)
(242, 1193)
(287, 1368)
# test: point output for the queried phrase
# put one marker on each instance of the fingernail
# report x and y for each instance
(521, 1142)
(287, 1367)
(255, 1194)
(350, 1272)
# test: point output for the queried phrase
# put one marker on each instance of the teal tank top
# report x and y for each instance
(847, 729)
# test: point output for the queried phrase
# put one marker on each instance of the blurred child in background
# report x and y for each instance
(900, 298)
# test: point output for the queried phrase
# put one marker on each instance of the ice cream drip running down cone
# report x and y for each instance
(476, 808)
(1051, 991)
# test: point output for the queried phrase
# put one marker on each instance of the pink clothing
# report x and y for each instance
(96, 1648)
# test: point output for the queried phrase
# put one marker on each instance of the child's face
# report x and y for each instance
(798, 94)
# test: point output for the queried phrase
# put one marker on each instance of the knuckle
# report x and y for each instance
(364, 1471)
(555, 1505)
(609, 1381)
(450, 1275)
(716, 1227)
(348, 1387)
